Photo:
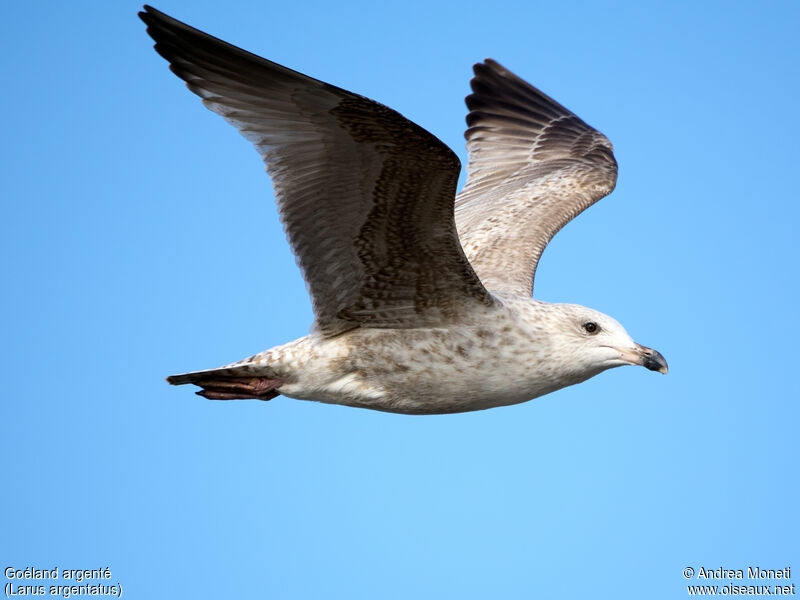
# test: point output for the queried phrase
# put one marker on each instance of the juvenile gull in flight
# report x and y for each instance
(421, 297)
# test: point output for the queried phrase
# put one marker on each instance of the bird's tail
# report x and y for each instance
(230, 383)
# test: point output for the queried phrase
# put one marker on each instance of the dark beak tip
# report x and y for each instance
(656, 362)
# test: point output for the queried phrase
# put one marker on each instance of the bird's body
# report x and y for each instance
(422, 299)
(481, 363)
(505, 354)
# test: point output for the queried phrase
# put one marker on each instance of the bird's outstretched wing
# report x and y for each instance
(365, 195)
(533, 167)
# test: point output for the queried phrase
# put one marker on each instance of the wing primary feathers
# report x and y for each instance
(366, 196)
(533, 166)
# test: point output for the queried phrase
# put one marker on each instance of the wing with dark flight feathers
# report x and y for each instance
(365, 195)
(533, 167)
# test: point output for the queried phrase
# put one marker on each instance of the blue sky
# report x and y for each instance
(140, 239)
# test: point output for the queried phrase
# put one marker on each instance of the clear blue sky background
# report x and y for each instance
(139, 239)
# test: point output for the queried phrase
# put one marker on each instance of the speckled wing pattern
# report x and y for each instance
(365, 195)
(533, 167)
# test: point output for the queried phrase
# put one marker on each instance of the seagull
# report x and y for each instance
(422, 297)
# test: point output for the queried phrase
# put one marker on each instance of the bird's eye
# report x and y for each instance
(591, 327)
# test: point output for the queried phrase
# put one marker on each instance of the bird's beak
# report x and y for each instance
(646, 357)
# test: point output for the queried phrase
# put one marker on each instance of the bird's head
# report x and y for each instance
(597, 342)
